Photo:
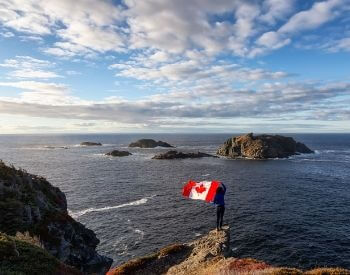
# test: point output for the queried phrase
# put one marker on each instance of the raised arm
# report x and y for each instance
(224, 187)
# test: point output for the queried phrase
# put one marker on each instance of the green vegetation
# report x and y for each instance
(21, 257)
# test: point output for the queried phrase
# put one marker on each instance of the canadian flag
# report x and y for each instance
(204, 190)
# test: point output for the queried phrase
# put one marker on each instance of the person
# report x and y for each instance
(219, 200)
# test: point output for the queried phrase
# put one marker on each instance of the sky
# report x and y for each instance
(197, 66)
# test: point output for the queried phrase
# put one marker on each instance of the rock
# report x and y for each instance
(261, 147)
(184, 258)
(149, 143)
(180, 155)
(30, 203)
(89, 143)
(116, 153)
(207, 255)
(19, 255)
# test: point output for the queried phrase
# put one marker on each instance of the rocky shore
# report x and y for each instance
(29, 203)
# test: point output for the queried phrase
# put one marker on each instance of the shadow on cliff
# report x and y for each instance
(157, 263)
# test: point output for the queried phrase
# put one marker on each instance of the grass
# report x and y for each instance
(21, 257)
(136, 266)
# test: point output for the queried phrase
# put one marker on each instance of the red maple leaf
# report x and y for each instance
(200, 189)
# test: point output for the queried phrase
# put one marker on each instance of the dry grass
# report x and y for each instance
(26, 237)
(328, 271)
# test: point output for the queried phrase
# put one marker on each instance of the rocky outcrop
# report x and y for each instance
(89, 143)
(208, 255)
(149, 143)
(30, 203)
(185, 258)
(181, 155)
(116, 153)
(262, 147)
(18, 256)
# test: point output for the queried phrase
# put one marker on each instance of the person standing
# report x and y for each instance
(219, 200)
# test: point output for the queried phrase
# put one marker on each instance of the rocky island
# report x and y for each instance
(29, 203)
(89, 143)
(116, 153)
(208, 255)
(262, 147)
(180, 155)
(149, 143)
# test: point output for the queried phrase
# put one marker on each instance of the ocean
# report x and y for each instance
(289, 212)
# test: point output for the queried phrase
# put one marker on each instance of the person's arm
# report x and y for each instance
(223, 186)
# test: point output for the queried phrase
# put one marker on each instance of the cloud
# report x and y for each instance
(29, 67)
(83, 23)
(338, 45)
(34, 92)
(88, 28)
(71, 72)
(272, 100)
(319, 14)
(7, 34)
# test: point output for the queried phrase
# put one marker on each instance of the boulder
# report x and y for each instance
(89, 143)
(116, 153)
(29, 203)
(262, 147)
(180, 155)
(149, 143)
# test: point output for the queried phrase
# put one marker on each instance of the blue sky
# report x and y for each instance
(174, 66)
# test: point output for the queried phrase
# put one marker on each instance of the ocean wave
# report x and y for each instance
(79, 213)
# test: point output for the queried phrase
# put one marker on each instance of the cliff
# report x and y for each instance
(18, 256)
(29, 203)
(208, 255)
(262, 147)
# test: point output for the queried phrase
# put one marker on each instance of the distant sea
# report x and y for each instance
(292, 212)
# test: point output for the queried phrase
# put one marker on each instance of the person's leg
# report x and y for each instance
(222, 216)
(218, 214)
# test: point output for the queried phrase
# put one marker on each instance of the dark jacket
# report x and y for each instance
(220, 197)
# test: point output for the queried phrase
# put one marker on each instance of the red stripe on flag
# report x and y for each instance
(187, 188)
(212, 191)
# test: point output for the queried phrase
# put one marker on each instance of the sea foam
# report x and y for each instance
(76, 214)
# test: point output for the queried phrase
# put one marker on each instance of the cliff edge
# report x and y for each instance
(29, 203)
(208, 255)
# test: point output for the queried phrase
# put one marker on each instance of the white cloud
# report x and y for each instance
(71, 72)
(320, 13)
(317, 15)
(271, 100)
(338, 45)
(29, 67)
(7, 34)
(84, 23)
(88, 27)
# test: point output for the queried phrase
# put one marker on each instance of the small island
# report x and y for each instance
(262, 147)
(116, 153)
(149, 143)
(180, 155)
(89, 143)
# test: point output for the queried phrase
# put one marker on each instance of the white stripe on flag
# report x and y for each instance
(200, 190)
